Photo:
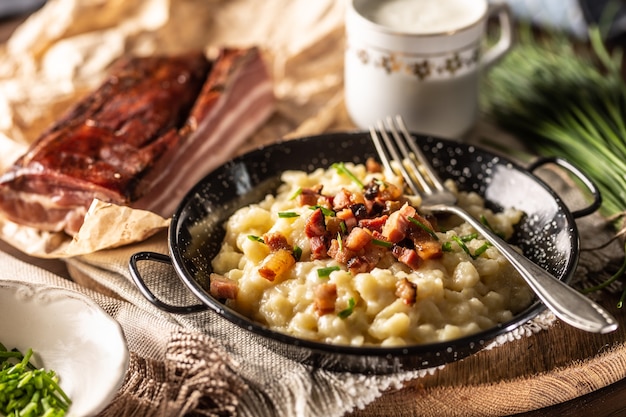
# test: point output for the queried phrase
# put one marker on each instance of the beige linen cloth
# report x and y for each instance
(180, 365)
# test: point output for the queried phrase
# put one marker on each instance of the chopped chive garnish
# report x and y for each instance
(345, 313)
(297, 252)
(481, 249)
(256, 238)
(12, 354)
(29, 391)
(446, 247)
(325, 211)
(462, 245)
(340, 241)
(341, 168)
(343, 227)
(325, 272)
(424, 227)
(382, 243)
(485, 222)
(469, 237)
(296, 194)
(287, 214)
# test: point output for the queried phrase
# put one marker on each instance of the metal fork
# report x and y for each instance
(565, 302)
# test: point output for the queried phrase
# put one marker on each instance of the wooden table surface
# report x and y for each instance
(604, 402)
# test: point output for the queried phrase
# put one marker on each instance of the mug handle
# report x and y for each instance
(507, 34)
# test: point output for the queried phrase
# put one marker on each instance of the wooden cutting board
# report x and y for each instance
(548, 368)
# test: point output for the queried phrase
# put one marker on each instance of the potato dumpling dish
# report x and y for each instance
(342, 256)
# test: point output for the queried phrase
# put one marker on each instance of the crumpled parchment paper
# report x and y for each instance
(63, 51)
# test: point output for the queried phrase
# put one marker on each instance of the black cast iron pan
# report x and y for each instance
(547, 235)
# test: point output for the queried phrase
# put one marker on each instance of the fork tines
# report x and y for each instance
(400, 147)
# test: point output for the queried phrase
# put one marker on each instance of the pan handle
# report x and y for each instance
(149, 295)
(588, 182)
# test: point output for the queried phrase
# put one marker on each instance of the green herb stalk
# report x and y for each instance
(566, 101)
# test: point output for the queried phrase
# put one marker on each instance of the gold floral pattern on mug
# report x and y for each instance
(453, 64)
(363, 56)
(390, 63)
(423, 68)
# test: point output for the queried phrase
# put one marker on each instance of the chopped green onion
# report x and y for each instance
(461, 240)
(256, 238)
(462, 245)
(341, 168)
(343, 314)
(12, 354)
(325, 211)
(424, 227)
(485, 222)
(382, 243)
(481, 250)
(296, 194)
(297, 252)
(30, 408)
(26, 391)
(343, 227)
(470, 237)
(287, 214)
(339, 241)
(325, 272)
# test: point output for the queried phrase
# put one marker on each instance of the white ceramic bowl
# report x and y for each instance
(69, 334)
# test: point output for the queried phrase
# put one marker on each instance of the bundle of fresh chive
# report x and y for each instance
(566, 100)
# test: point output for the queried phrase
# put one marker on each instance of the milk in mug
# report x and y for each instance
(424, 16)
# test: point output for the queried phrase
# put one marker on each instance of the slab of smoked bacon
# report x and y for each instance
(154, 128)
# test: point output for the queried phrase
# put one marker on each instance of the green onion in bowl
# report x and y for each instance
(26, 391)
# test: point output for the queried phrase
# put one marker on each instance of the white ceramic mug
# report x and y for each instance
(421, 59)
